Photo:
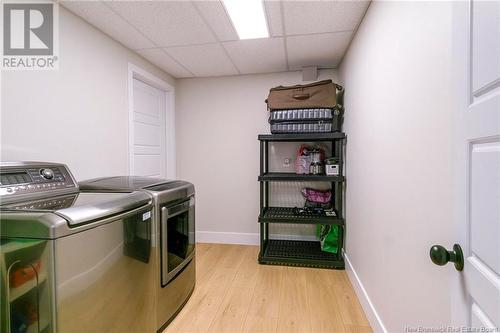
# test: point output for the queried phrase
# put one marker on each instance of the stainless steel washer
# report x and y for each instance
(174, 240)
(71, 261)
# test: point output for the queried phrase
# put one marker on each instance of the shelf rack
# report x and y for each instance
(295, 252)
(287, 176)
(302, 137)
(285, 215)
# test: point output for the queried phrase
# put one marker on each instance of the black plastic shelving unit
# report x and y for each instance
(294, 252)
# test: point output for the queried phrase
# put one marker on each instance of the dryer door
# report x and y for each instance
(177, 238)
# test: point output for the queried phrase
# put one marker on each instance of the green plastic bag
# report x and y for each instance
(329, 237)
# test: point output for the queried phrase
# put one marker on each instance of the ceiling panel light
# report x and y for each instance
(248, 18)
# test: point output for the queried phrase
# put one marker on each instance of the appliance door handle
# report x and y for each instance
(164, 245)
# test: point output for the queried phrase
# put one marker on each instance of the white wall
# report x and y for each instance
(217, 123)
(77, 114)
(398, 122)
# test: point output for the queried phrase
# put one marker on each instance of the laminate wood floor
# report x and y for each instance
(235, 294)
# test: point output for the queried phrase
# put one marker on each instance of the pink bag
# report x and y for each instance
(317, 196)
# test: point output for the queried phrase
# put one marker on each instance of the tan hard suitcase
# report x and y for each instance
(322, 94)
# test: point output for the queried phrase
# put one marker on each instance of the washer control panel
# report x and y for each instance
(32, 179)
(53, 203)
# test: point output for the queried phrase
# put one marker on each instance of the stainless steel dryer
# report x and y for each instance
(71, 261)
(174, 240)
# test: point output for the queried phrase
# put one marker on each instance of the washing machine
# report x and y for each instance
(174, 236)
(73, 261)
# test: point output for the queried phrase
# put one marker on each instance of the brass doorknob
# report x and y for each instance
(440, 256)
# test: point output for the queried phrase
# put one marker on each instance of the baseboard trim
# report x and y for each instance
(370, 311)
(227, 237)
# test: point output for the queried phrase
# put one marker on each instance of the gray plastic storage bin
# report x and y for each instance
(305, 120)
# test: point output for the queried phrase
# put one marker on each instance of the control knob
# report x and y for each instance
(47, 173)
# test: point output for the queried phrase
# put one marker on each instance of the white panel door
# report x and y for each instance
(148, 131)
(476, 70)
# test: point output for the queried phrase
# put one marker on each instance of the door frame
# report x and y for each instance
(460, 88)
(138, 73)
(463, 98)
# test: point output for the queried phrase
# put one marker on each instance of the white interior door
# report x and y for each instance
(148, 137)
(476, 68)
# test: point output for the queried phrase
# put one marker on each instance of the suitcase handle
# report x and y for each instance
(301, 96)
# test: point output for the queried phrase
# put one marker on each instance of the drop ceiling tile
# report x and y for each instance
(166, 23)
(161, 59)
(216, 16)
(322, 50)
(304, 17)
(258, 55)
(204, 60)
(104, 19)
(274, 18)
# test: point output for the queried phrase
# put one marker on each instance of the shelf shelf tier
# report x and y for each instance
(286, 215)
(303, 137)
(299, 253)
(287, 176)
